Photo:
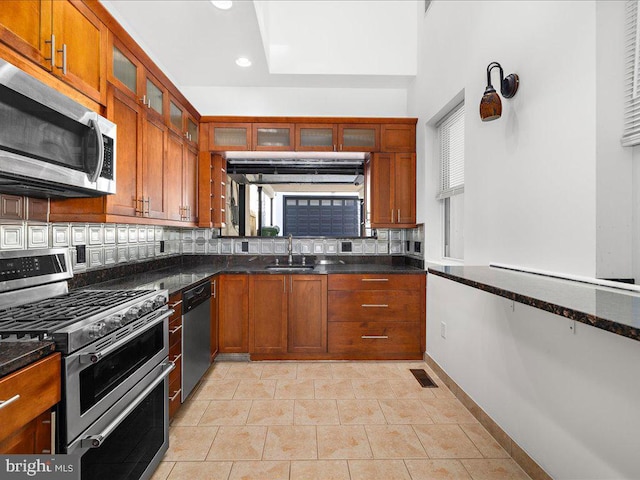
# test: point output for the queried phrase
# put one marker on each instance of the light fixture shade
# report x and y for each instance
(490, 105)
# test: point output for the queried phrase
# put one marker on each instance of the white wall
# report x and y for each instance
(530, 177)
(281, 101)
(569, 400)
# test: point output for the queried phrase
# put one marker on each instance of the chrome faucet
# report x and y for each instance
(290, 249)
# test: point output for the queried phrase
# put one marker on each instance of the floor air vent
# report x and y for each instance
(423, 379)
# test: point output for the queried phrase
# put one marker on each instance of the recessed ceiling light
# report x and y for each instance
(222, 4)
(243, 62)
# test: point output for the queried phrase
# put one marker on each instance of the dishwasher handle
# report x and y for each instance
(195, 296)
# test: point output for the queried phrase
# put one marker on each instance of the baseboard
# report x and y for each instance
(529, 465)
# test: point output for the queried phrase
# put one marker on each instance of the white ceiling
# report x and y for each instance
(196, 44)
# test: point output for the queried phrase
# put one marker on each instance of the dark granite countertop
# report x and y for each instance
(608, 308)
(15, 355)
(177, 278)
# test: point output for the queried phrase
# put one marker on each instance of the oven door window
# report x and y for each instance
(129, 449)
(96, 381)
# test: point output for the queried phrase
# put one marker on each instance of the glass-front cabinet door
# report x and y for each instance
(316, 137)
(358, 138)
(154, 96)
(230, 136)
(273, 136)
(176, 120)
(192, 130)
(126, 71)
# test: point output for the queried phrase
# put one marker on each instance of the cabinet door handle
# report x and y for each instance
(398, 215)
(63, 51)
(52, 58)
(4, 403)
(374, 305)
(175, 330)
(375, 279)
(171, 399)
(392, 216)
(214, 289)
(176, 358)
(173, 305)
(369, 337)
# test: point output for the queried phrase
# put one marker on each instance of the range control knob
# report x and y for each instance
(114, 321)
(146, 307)
(159, 301)
(96, 330)
(132, 314)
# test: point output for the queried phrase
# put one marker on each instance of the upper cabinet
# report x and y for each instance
(273, 136)
(230, 136)
(63, 37)
(400, 137)
(358, 138)
(316, 137)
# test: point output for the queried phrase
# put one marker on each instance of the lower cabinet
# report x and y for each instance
(26, 417)
(233, 314)
(377, 316)
(287, 314)
(175, 353)
(215, 282)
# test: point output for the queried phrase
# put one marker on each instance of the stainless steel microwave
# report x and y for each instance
(50, 145)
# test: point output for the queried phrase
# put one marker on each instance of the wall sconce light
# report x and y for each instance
(490, 105)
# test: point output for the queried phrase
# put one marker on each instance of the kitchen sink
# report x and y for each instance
(289, 268)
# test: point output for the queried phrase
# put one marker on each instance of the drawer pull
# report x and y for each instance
(7, 402)
(173, 305)
(375, 279)
(175, 330)
(367, 337)
(374, 305)
(176, 358)
(175, 395)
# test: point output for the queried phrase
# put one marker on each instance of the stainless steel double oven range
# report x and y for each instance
(114, 345)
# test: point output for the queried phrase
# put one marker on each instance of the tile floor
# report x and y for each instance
(328, 421)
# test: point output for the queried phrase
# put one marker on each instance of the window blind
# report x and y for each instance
(451, 138)
(631, 135)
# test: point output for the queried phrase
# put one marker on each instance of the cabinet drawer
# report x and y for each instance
(174, 397)
(175, 303)
(175, 332)
(374, 281)
(175, 349)
(372, 305)
(38, 389)
(374, 337)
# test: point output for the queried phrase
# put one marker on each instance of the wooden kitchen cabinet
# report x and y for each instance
(64, 37)
(272, 136)
(375, 316)
(26, 421)
(233, 314)
(359, 137)
(316, 137)
(268, 313)
(215, 285)
(392, 195)
(398, 137)
(307, 321)
(182, 178)
(175, 353)
(230, 136)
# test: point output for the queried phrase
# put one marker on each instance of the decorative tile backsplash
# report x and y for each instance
(107, 245)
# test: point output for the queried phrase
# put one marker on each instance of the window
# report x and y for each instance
(450, 132)
(631, 135)
(308, 216)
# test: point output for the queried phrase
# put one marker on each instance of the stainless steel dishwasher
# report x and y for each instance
(196, 334)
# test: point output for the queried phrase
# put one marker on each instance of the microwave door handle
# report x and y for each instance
(93, 178)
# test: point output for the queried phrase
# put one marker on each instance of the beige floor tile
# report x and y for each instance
(275, 371)
(394, 441)
(404, 411)
(360, 412)
(316, 412)
(378, 470)
(214, 389)
(217, 370)
(244, 370)
(447, 410)
(348, 370)
(163, 470)
(494, 469)
(333, 389)
(484, 441)
(410, 388)
(238, 443)
(291, 443)
(381, 370)
(259, 471)
(343, 441)
(292, 389)
(437, 470)
(255, 389)
(443, 392)
(314, 370)
(201, 471)
(319, 470)
(379, 388)
(271, 412)
(446, 441)
(226, 412)
(190, 413)
(189, 443)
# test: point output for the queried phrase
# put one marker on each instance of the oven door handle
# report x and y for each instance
(95, 357)
(95, 441)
